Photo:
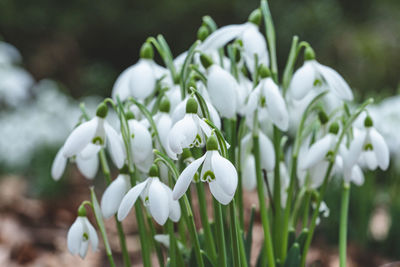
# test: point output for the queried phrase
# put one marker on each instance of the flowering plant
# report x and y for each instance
(221, 114)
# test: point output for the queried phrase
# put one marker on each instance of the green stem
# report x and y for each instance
(209, 239)
(270, 34)
(268, 247)
(344, 211)
(143, 235)
(234, 235)
(306, 208)
(298, 202)
(155, 243)
(172, 243)
(239, 194)
(220, 234)
(277, 193)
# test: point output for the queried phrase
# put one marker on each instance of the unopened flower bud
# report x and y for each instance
(334, 128)
(146, 51)
(202, 33)
(206, 61)
(191, 105)
(255, 17)
(165, 105)
(264, 71)
(368, 122)
(212, 143)
(102, 110)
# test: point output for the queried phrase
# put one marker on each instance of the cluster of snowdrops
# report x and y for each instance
(219, 116)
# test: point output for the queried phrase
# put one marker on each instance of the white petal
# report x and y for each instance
(267, 152)
(222, 85)
(254, 44)
(355, 149)
(182, 134)
(90, 151)
(336, 82)
(357, 176)
(94, 240)
(80, 137)
(74, 236)
(249, 180)
(186, 177)
(58, 166)
(380, 148)
(84, 248)
(370, 160)
(141, 143)
(222, 36)
(164, 124)
(142, 80)
(158, 202)
(115, 146)
(219, 193)
(113, 196)
(129, 199)
(317, 151)
(214, 115)
(88, 167)
(276, 106)
(225, 173)
(302, 81)
(253, 100)
(121, 85)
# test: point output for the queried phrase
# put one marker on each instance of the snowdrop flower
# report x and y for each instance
(88, 138)
(253, 41)
(369, 146)
(267, 96)
(163, 122)
(188, 132)
(312, 74)
(114, 193)
(267, 151)
(141, 143)
(220, 85)
(217, 171)
(80, 234)
(155, 195)
(87, 166)
(138, 80)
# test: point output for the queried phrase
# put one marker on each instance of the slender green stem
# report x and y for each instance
(239, 194)
(209, 239)
(155, 243)
(222, 262)
(344, 211)
(306, 208)
(298, 202)
(172, 243)
(268, 247)
(143, 235)
(277, 230)
(234, 235)
(270, 34)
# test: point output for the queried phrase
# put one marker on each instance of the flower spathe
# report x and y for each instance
(80, 235)
(217, 171)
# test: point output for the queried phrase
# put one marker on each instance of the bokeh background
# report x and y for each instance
(74, 50)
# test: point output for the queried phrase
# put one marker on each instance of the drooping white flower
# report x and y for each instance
(80, 235)
(155, 195)
(217, 171)
(88, 138)
(113, 195)
(187, 132)
(267, 96)
(368, 146)
(312, 74)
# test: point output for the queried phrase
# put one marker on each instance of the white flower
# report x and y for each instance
(217, 171)
(79, 235)
(156, 196)
(187, 132)
(141, 145)
(89, 137)
(267, 95)
(368, 146)
(113, 195)
(312, 74)
(318, 151)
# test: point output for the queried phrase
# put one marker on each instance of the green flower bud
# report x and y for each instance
(124, 169)
(191, 105)
(309, 53)
(129, 115)
(202, 33)
(82, 211)
(165, 105)
(264, 71)
(368, 122)
(146, 51)
(102, 110)
(334, 128)
(212, 143)
(206, 61)
(255, 17)
(153, 171)
(323, 117)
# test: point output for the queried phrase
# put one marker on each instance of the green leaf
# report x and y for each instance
(185, 67)
(168, 162)
(301, 240)
(249, 237)
(202, 104)
(293, 257)
(291, 237)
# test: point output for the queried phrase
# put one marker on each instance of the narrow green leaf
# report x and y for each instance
(249, 236)
(293, 257)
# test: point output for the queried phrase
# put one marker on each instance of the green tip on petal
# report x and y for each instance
(186, 153)
(102, 110)
(323, 117)
(309, 53)
(334, 128)
(255, 17)
(368, 122)
(165, 105)
(82, 211)
(212, 143)
(264, 71)
(153, 171)
(206, 61)
(146, 51)
(191, 105)
(124, 169)
(202, 33)
(129, 115)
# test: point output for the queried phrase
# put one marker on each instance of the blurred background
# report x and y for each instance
(72, 51)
